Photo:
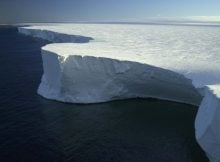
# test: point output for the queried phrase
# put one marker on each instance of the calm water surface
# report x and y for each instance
(33, 129)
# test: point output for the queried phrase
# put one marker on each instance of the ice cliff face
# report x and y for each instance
(127, 61)
(55, 36)
(82, 78)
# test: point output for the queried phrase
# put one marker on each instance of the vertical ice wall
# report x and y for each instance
(91, 79)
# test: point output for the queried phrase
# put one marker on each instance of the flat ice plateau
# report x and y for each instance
(90, 63)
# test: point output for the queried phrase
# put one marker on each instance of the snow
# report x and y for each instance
(103, 62)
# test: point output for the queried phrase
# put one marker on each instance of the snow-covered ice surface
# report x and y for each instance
(189, 50)
(104, 62)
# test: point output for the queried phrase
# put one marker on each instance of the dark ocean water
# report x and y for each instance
(33, 129)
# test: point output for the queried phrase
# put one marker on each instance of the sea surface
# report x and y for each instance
(34, 129)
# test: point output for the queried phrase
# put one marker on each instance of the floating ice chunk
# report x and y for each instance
(207, 123)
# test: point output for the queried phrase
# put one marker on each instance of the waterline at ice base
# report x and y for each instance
(92, 63)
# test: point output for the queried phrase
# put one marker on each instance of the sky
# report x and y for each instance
(24, 11)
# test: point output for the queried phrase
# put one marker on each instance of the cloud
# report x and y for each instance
(204, 18)
(186, 19)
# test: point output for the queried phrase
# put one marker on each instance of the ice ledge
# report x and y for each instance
(55, 37)
(91, 79)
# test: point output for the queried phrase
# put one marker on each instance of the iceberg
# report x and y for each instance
(91, 63)
(207, 123)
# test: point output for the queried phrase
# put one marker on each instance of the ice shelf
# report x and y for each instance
(104, 62)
